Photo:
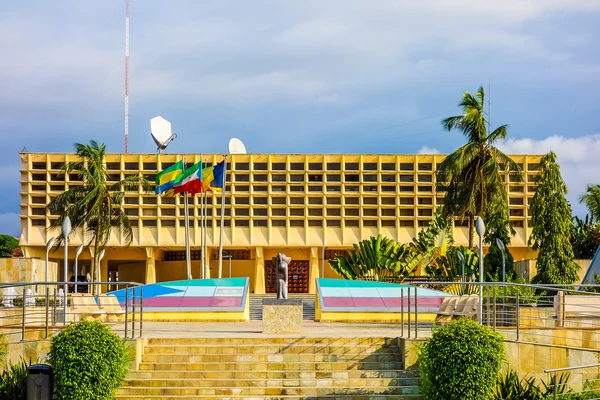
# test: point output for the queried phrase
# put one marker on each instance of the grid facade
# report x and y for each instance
(273, 199)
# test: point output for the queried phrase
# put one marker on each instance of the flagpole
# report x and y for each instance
(206, 259)
(222, 216)
(188, 262)
(202, 228)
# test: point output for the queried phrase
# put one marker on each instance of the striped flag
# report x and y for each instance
(166, 179)
(190, 181)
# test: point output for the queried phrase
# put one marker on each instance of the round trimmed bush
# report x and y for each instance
(461, 361)
(88, 361)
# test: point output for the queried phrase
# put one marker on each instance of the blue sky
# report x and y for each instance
(312, 76)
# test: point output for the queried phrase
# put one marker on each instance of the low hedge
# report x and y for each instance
(88, 361)
(460, 361)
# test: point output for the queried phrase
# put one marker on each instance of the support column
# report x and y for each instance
(259, 272)
(150, 265)
(314, 270)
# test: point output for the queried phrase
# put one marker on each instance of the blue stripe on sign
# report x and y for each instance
(364, 292)
(196, 291)
(331, 291)
(391, 292)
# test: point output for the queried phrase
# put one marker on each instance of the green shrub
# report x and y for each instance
(41, 302)
(13, 382)
(460, 361)
(88, 361)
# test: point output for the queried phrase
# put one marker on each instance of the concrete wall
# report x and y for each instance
(527, 268)
(16, 270)
(34, 348)
(132, 272)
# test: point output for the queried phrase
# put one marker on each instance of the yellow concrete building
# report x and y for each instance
(305, 205)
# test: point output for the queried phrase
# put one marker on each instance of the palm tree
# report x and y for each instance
(472, 174)
(591, 199)
(95, 205)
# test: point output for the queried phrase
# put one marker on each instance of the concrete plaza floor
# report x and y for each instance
(253, 329)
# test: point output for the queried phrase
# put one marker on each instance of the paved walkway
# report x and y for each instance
(254, 329)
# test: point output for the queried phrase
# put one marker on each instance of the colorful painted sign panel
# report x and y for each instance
(340, 295)
(226, 294)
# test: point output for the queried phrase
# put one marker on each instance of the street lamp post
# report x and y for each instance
(480, 229)
(461, 257)
(66, 230)
(77, 253)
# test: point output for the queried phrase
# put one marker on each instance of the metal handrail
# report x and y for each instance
(571, 368)
(19, 284)
(64, 298)
(547, 287)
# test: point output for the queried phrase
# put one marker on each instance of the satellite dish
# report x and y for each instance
(160, 129)
(236, 146)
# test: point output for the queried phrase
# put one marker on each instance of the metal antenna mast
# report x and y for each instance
(126, 75)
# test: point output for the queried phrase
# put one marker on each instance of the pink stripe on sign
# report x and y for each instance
(338, 302)
(227, 302)
(162, 302)
(216, 302)
(196, 302)
(375, 302)
(368, 302)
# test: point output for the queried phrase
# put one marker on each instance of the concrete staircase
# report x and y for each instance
(308, 302)
(271, 368)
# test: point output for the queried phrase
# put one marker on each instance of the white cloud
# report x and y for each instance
(428, 150)
(10, 224)
(311, 51)
(578, 159)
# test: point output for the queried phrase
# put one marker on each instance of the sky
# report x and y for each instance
(333, 76)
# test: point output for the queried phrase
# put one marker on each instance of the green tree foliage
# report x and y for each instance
(7, 244)
(585, 238)
(96, 205)
(552, 226)
(460, 361)
(472, 174)
(591, 199)
(88, 361)
(376, 258)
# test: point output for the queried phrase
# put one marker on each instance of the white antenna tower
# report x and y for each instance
(126, 75)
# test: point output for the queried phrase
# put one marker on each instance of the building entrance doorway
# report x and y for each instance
(298, 276)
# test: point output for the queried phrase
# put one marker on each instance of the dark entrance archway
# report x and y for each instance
(298, 276)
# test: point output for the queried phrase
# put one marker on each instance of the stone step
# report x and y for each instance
(271, 358)
(264, 391)
(269, 382)
(266, 374)
(271, 349)
(357, 396)
(273, 340)
(288, 366)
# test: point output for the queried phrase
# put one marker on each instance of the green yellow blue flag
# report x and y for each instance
(166, 179)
